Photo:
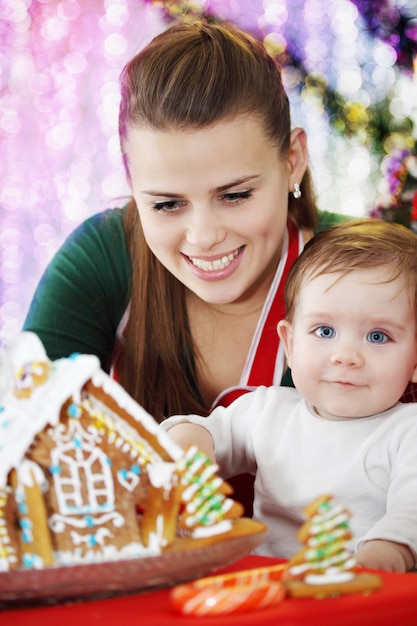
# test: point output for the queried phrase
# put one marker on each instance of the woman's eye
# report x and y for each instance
(325, 332)
(377, 336)
(168, 206)
(236, 196)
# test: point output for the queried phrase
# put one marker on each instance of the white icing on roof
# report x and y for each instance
(22, 418)
(125, 401)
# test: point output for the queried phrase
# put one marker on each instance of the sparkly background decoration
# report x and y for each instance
(348, 69)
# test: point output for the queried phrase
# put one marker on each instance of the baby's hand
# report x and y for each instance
(187, 434)
(386, 555)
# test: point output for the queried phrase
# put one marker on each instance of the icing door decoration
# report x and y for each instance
(76, 461)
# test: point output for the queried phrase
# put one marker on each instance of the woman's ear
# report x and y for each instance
(285, 333)
(297, 157)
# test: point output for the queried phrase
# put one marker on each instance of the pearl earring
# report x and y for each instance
(297, 191)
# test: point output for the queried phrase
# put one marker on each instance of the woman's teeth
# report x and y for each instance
(218, 264)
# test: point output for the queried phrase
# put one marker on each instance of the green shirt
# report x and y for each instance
(85, 290)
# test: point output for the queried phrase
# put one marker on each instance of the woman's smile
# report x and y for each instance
(215, 268)
(219, 262)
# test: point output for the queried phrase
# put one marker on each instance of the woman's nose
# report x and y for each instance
(204, 230)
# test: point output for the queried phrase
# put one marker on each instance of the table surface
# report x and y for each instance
(395, 603)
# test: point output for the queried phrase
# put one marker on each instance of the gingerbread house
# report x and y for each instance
(85, 473)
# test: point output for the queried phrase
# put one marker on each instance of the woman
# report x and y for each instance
(180, 292)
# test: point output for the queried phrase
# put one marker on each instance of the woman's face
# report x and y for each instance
(213, 204)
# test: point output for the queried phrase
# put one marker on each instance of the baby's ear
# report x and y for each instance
(285, 333)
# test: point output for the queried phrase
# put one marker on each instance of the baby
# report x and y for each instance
(350, 337)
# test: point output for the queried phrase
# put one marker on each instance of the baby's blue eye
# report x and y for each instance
(325, 332)
(377, 336)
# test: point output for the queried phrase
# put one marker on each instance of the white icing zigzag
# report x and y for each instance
(326, 557)
(205, 505)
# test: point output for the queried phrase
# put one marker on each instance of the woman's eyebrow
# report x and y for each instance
(234, 183)
(164, 194)
(229, 185)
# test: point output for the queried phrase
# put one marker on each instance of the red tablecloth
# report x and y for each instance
(395, 604)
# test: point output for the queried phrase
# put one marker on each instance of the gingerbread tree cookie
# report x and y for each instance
(325, 565)
(204, 495)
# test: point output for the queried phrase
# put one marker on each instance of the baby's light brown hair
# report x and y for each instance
(361, 243)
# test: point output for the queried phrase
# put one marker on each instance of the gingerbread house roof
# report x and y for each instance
(22, 416)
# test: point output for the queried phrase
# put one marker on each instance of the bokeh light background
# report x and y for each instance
(60, 62)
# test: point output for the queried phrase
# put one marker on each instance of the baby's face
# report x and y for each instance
(352, 345)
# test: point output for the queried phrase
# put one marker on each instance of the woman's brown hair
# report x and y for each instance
(192, 75)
